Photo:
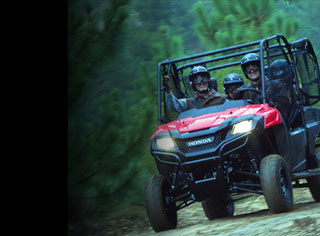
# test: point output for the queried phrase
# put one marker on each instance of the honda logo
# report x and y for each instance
(200, 142)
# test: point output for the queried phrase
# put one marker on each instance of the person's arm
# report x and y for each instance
(238, 93)
(174, 104)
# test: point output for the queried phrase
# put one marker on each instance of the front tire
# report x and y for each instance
(160, 209)
(217, 208)
(276, 183)
(314, 181)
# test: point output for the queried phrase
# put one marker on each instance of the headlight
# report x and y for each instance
(242, 127)
(165, 143)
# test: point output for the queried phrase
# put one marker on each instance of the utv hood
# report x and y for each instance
(206, 118)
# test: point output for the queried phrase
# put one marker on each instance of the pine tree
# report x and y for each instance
(236, 21)
(307, 13)
(110, 126)
(92, 38)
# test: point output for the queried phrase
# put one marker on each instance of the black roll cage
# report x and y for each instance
(169, 66)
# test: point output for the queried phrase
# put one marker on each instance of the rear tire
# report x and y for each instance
(160, 209)
(217, 208)
(276, 183)
(314, 181)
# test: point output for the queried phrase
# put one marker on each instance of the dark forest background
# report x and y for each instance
(113, 50)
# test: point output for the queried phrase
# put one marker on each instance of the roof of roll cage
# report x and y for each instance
(218, 51)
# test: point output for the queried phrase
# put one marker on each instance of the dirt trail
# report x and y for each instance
(251, 218)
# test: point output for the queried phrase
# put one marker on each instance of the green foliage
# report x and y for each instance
(168, 45)
(233, 22)
(91, 42)
(96, 136)
(112, 107)
(107, 157)
(307, 14)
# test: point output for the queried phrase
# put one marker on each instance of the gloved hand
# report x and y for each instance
(272, 104)
(167, 81)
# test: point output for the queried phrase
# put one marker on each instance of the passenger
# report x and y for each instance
(281, 74)
(204, 96)
(231, 83)
(280, 71)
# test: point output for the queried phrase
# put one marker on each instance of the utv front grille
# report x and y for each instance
(183, 143)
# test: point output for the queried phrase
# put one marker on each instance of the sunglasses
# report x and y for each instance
(252, 70)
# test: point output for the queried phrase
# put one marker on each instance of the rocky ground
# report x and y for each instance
(251, 218)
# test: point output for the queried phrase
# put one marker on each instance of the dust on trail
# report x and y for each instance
(251, 217)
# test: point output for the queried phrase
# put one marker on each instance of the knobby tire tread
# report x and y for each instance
(270, 184)
(158, 218)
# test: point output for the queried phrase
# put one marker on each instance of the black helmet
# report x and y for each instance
(231, 79)
(249, 58)
(195, 72)
(280, 69)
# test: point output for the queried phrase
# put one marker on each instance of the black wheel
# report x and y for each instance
(160, 209)
(276, 183)
(314, 181)
(217, 208)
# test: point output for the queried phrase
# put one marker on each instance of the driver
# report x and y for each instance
(276, 92)
(204, 96)
(250, 65)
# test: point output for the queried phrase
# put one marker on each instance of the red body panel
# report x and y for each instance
(271, 117)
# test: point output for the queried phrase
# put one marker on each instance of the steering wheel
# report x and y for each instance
(250, 89)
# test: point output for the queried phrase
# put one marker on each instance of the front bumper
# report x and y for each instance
(224, 148)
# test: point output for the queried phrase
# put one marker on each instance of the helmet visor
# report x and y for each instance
(231, 88)
(201, 78)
